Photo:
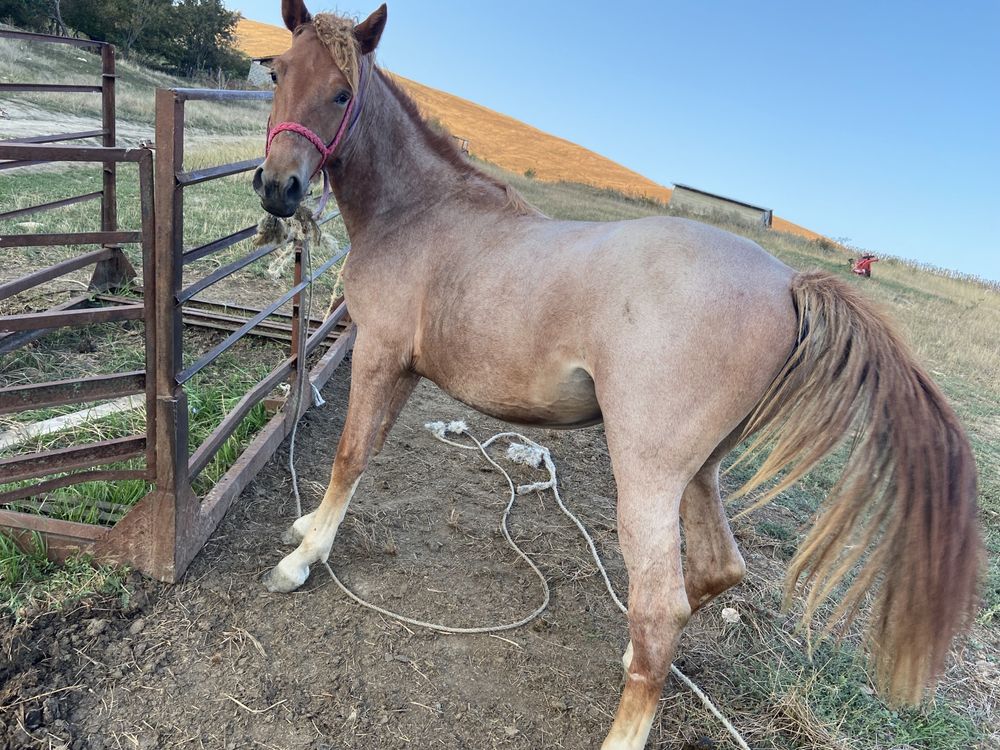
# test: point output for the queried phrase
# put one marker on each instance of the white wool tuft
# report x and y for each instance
(440, 429)
(527, 455)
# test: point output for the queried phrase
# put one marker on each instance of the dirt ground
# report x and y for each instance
(217, 662)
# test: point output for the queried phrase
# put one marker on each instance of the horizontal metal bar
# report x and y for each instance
(210, 309)
(52, 272)
(49, 206)
(36, 465)
(28, 36)
(197, 253)
(69, 238)
(213, 173)
(51, 87)
(76, 391)
(211, 356)
(69, 480)
(320, 334)
(223, 271)
(11, 341)
(207, 450)
(17, 164)
(209, 318)
(35, 321)
(219, 95)
(61, 538)
(196, 321)
(46, 152)
(56, 138)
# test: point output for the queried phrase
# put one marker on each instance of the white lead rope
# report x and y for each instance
(528, 453)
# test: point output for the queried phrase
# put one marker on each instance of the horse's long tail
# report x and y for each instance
(905, 505)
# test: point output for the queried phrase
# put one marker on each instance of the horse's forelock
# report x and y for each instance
(337, 35)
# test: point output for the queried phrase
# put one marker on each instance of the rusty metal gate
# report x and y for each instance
(164, 531)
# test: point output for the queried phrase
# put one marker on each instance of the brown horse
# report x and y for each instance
(684, 339)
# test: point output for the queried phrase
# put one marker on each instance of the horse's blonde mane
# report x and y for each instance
(337, 35)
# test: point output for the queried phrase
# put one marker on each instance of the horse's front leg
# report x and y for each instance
(375, 377)
(295, 533)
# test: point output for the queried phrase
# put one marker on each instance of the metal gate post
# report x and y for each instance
(176, 502)
(115, 272)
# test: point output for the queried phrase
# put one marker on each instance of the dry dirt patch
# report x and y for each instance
(218, 662)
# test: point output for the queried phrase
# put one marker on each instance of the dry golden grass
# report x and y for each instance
(783, 225)
(258, 39)
(518, 147)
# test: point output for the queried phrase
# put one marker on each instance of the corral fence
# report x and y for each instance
(163, 532)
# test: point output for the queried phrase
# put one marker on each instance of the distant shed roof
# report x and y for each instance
(720, 197)
(261, 41)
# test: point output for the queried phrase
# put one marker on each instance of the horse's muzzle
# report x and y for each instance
(279, 197)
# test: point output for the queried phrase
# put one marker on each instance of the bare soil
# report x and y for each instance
(218, 662)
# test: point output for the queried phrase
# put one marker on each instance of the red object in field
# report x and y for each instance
(863, 265)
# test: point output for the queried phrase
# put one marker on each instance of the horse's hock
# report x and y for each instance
(162, 532)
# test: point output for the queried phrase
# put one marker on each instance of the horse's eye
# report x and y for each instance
(274, 77)
(342, 98)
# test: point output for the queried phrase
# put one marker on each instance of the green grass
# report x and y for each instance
(211, 395)
(829, 697)
(30, 584)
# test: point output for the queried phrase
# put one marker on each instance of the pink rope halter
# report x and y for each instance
(325, 151)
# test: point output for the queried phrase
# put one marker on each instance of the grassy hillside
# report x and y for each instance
(773, 685)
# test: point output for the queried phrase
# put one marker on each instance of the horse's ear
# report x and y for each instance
(369, 31)
(295, 14)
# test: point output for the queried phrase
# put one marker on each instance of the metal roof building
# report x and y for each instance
(695, 201)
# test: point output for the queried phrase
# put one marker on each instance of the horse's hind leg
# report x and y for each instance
(713, 562)
(649, 532)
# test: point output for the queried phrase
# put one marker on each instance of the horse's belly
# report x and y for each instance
(560, 403)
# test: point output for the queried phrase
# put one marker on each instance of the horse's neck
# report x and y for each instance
(390, 170)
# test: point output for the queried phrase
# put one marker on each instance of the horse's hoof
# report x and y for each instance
(278, 581)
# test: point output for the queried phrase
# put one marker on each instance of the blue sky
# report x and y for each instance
(875, 122)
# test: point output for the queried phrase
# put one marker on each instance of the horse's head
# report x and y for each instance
(315, 84)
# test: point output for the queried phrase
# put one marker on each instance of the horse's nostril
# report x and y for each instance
(294, 190)
(258, 181)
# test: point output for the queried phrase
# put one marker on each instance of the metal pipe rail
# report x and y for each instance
(168, 527)
(77, 464)
(189, 520)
